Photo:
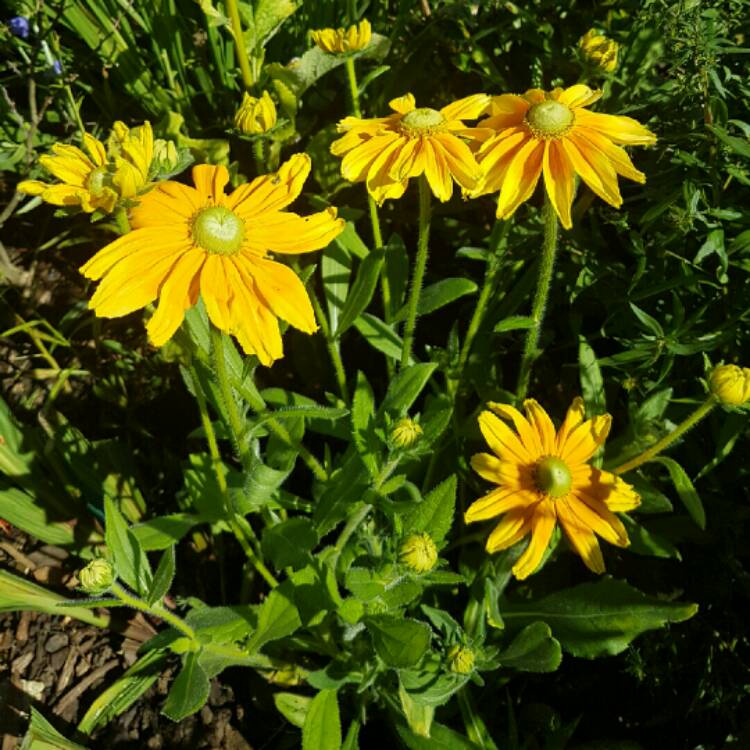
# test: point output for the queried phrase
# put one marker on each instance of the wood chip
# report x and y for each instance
(75, 693)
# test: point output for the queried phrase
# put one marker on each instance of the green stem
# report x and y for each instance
(546, 265)
(351, 75)
(260, 156)
(230, 404)
(131, 600)
(419, 268)
(498, 244)
(333, 348)
(239, 44)
(121, 220)
(703, 410)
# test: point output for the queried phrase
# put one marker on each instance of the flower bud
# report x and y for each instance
(338, 41)
(418, 552)
(730, 384)
(166, 157)
(460, 659)
(405, 433)
(97, 577)
(599, 51)
(255, 115)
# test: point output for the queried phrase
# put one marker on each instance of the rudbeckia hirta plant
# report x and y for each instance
(196, 241)
(256, 114)
(339, 41)
(385, 152)
(543, 479)
(553, 134)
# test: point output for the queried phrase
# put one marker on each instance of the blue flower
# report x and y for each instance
(57, 68)
(19, 26)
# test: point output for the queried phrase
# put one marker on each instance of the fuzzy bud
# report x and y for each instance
(255, 115)
(460, 659)
(599, 51)
(730, 384)
(97, 577)
(418, 552)
(405, 433)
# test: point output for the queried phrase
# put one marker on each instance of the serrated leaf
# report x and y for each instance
(434, 514)
(189, 691)
(592, 382)
(399, 641)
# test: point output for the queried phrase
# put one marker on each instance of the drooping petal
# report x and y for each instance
(403, 104)
(494, 470)
(513, 527)
(616, 155)
(356, 165)
(350, 140)
(543, 523)
(502, 440)
(271, 192)
(499, 501)
(619, 129)
(177, 294)
(461, 163)
(521, 178)
(599, 519)
(281, 289)
(582, 539)
(216, 291)
(496, 156)
(529, 436)
(210, 181)
(379, 184)
(67, 195)
(437, 173)
(409, 162)
(468, 108)
(286, 232)
(169, 203)
(579, 96)
(602, 486)
(70, 165)
(541, 424)
(594, 169)
(559, 181)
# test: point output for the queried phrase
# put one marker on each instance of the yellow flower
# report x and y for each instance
(386, 151)
(255, 115)
(461, 659)
(552, 133)
(418, 552)
(406, 432)
(599, 51)
(189, 241)
(336, 41)
(544, 479)
(730, 384)
(132, 152)
(85, 179)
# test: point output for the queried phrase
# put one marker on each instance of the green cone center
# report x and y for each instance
(218, 230)
(553, 477)
(422, 119)
(549, 118)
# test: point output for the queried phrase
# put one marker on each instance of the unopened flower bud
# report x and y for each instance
(405, 433)
(166, 157)
(255, 115)
(418, 552)
(599, 51)
(730, 384)
(337, 41)
(97, 577)
(460, 659)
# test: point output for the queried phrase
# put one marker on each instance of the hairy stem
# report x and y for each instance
(239, 44)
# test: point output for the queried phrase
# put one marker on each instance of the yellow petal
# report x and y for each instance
(437, 173)
(502, 440)
(72, 170)
(496, 156)
(579, 96)
(410, 160)
(602, 486)
(468, 108)
(582, 539)
(575, 416)
(177, 294)
(169, 203)
(529, 437)
(619, 129)
(541, 424)
(216, 292)
(271, 192)
(599, 519)
(508, 473)
(521, 178)
(356, 165)
(514, 526)
(67, 195)
(583, 441)
(286, 232)
(559, 181)
(616, 155)
(379, 183)
(210, 181)
(461, 163)
(594, 169)
(543, 523)
(403, 104)
(96, 149)
(499, 501)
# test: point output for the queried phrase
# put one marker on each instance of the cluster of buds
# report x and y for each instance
(256, 114)
(418, 552)
(730, 384)
(339, 41)
(599, 51)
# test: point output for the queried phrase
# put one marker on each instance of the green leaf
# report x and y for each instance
(362, 290)
(598, 619)
(189, 691)
(261, 482)
(322, 727)
(289, 543)
(645, 542)
(363, 427)
(23, 511)
(128, 557)
(418, 715)
(163, 532)
(343, 492)
(532, 650)
(399, 641)
(41, 735)
(397, 271)
(592, 382)
(292, 707)
(435, 513)
(441, 738)
(685, 489)
(514, 323)
(379, 335)
(278, 617)
(163, 577)
(439, 295)
(335, 269)
(648, 322)
(406, 387)
(122, 694)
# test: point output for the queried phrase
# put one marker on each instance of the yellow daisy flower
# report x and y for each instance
(385, 152)
(543, 479)
(338, 41)
(188, 241)
(552, 133)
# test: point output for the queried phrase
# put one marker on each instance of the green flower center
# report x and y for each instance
(553, 477)
(217, 230)
(549, 119)
(422, 120)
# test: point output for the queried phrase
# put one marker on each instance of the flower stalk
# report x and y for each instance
(425, 211)
(546, 266)
(234, 16)
(689, 422)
